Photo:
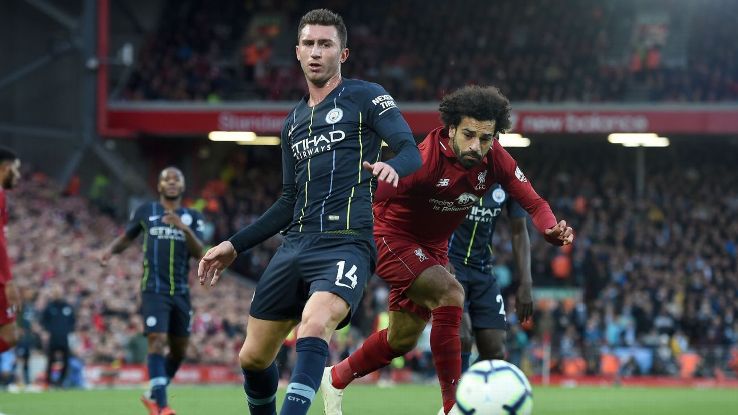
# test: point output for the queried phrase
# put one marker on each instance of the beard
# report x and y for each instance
(8, 182)
(461, 156)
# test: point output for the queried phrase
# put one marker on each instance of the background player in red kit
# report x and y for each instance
(9, 299)
(413, 223)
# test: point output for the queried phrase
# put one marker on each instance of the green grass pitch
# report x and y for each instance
(370, 400)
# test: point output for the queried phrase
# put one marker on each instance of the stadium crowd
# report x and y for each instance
(537, 51)
(55, 238)
(650, 279)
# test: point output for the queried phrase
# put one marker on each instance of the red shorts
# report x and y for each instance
(7, 314)
(400, 262)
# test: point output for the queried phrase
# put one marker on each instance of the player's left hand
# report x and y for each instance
(13, 297)
(524, 302)
(563, 233)
(171, 218)
(383, 172)
(217, 259)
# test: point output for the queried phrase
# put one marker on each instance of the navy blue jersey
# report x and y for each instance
(166, 257)
(471, 243)
(323, 150)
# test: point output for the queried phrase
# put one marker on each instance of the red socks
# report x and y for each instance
(374, 354)
(446, 348)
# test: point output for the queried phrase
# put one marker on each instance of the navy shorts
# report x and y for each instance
(306, 263)
(164, 313)
(482, 298)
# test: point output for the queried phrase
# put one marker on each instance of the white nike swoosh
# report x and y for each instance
(153, 218)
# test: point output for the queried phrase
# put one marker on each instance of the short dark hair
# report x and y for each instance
(324, 17)
(481, 103)
(7, 154)
(175, 168)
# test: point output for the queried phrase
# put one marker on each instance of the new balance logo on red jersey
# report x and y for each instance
(519, 174)
(443, 183)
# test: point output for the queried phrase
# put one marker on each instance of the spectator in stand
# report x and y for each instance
(58, 320)
(538, 51)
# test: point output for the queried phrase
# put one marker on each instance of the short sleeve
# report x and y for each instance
(198, 224)
(135, 224)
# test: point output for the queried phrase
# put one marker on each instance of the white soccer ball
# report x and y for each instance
(494, 387)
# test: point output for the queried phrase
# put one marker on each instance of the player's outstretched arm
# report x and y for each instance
(217, 259)
(118, 245)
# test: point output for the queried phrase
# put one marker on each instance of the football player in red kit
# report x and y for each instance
(413, 223)
(9, 298)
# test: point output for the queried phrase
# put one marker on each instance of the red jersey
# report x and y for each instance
(431, 203)
(5, 275)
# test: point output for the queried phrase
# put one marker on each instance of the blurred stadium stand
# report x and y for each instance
(650, 286)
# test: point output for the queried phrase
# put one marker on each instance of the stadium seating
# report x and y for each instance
(55, 240)
(538, 51)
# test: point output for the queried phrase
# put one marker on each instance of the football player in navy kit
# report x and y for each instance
(471, 257)
(330, 166)
(172, 235)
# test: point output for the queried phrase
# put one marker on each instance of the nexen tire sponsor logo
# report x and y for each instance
(316, 144)
(385, 102)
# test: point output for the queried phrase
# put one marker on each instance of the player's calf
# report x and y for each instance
(491, 344)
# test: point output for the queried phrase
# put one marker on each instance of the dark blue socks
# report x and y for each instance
(158, 379)
(465, 361)
(312, 354)
(261, 390)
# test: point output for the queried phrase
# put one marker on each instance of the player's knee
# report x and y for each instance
(453, 294)
(315, 326)
(323, 321)
(157, 343)
(252, 361)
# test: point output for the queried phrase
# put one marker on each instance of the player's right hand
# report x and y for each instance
(215, 261)
(104, 257)
(562, 232)
(383, 172)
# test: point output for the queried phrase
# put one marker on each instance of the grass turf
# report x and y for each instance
(370, 400)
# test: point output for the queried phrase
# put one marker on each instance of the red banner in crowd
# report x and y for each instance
(130, 375)
(100, 375)
(193, 120)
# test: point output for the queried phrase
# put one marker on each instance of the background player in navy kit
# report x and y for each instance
(172, 235)
(330, 151)
(470, 260)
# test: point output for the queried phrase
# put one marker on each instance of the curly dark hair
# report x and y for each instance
(7, 154)
(481, 103)
(324, 17)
